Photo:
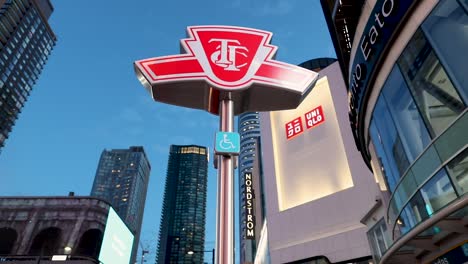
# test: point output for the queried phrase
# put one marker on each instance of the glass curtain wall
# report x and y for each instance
(419, 125)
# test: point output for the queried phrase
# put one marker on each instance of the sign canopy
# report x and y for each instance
(218, 60)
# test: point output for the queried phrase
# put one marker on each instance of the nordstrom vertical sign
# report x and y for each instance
(249, 196)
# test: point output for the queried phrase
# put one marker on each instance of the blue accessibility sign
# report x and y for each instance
(227, 143)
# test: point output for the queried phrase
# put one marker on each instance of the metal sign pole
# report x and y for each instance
(225, 200)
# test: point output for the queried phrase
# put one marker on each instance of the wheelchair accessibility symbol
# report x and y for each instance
(227, 143)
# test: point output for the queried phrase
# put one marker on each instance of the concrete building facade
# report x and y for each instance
(33, 228)
(317, 187)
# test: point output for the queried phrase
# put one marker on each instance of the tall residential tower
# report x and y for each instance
(182, 230)
(249, 130)
(26, 41)
(122, 179)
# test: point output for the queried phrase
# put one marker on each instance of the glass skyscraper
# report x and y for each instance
(26, 41)
(122, 180)
(249, 130)
(182, 229)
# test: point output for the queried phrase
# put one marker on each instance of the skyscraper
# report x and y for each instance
(182, 230)
(26, 41)
(249, 130)
(122, 179)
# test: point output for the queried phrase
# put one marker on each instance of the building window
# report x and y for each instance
(458, 170)
(432, 89)
(388, 143)
(447, 30)
(378, 239)
(413, 213)
(408, 122)
(438, 192)
(434, 195)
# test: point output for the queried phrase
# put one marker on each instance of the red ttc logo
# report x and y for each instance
(228, 58)
(218, 59)
(226, 54)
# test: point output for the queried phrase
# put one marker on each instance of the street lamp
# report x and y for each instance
(191, 252)
(67, 250)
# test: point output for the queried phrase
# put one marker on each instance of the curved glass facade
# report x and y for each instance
(418, 130)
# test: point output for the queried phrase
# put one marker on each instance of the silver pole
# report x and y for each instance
(225, 208)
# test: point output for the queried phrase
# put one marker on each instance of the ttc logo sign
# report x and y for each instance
(218, 59)
(228, 58)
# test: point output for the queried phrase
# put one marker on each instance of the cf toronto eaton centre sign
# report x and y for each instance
(384, 21)
(226, 71)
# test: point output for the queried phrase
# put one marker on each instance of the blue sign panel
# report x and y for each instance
(227, 143)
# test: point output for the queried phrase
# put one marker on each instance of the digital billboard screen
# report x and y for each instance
(117, 241)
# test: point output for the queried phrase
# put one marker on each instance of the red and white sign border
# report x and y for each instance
(259, 71)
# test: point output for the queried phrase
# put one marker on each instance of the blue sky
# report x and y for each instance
(88, 99)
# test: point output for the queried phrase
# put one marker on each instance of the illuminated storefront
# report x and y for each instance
(317, 188)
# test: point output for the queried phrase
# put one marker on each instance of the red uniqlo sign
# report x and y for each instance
(315, 117)
(294, 128)
(215, 59)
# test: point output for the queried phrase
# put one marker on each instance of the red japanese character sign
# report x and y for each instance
(217, 59)
(294, 128)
